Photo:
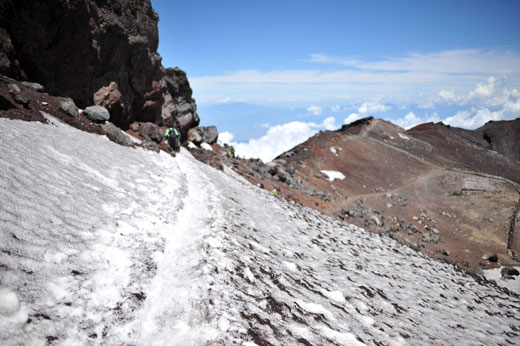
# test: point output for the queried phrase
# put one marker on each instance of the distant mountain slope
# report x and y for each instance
(441, 190)
(104, 244)
(493, 148)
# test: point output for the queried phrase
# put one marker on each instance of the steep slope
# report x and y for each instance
(103, 244)
(435, 188)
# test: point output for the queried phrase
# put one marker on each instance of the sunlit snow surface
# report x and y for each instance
(106, 245)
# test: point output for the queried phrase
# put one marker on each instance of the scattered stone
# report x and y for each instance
(21, 101)
(412, 229)
(446, 252)
(493, 258)
(14, 88)
(97, 114)
(134, 127)
(115, 134)
(69, 107)
(431, 237)
(34, 86)
(465, 264)
(509, 273)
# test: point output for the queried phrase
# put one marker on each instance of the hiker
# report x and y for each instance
(172, 138)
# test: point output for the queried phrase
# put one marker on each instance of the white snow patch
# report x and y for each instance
(206, 146)
(213, 242)
(315, 308)
(333, 175)
(334, 295)
(403, 136)
(249, 275)
(334, 151)
(342, 338)
(9, 303)
(496, 275)
(291, 266)
(191, 145)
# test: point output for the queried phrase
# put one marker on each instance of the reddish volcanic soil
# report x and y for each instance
(440, 190)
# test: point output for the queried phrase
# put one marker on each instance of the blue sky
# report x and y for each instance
(270, 74)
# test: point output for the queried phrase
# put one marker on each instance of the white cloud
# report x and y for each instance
(484, 90)
(280, 138)
(225, 137)
(224, 100)
(451, 61)
(372, 107)
(316, 110)
(352, 117)
(329, 124)
(409, 120)
(365, 110)
(398, 78)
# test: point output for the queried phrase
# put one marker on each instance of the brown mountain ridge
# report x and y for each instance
(448, 192)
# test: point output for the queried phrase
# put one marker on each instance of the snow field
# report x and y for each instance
(103, 244)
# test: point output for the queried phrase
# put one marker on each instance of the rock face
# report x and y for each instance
(179, 108)
(208, 134)
(96, 52)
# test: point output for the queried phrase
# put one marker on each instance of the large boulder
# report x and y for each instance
(151, 131)
(97, 114)
(69, 107)
(207, 134)
(115, 134)
(194, 136)
(111, 98)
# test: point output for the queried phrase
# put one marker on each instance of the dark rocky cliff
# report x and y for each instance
(106, 48)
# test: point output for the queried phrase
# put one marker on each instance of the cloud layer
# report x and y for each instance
(278, 139)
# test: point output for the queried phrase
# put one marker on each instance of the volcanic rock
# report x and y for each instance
(97, 114)
(21, 101)
(194, 136)
(69, 107)
(34, 86)
(509, 272)
(179, 108)
(76, 47)
(207, 134)
(115, 134)
(111, 98)
(151, 131)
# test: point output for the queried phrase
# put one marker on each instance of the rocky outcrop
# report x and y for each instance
(96, 52)
(207, 134)
(179, 108)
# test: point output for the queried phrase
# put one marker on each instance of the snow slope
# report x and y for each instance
(102, 244)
